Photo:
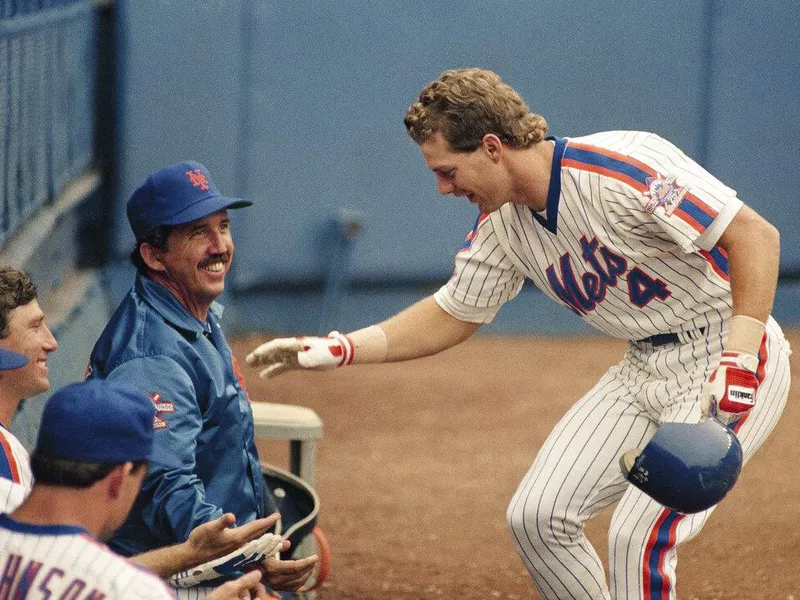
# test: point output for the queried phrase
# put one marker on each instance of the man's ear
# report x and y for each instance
(151, 257)
(116, 479)
(492, 146)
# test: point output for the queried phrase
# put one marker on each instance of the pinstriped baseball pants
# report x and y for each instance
(576, 473)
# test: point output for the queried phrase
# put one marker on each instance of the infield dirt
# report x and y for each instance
(419, 460)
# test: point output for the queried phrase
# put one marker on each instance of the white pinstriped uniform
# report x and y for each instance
(197, 592)
(628, 242)
(16, 478)
(55, 561)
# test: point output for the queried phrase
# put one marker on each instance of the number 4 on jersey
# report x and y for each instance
(642, 288)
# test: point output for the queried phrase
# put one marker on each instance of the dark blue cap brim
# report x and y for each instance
(205, 207)
(11, 360)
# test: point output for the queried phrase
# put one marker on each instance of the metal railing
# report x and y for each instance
(48, 73)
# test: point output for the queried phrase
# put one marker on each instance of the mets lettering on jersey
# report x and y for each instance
(584, 297)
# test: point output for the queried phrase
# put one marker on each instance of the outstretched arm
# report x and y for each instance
(421, 330)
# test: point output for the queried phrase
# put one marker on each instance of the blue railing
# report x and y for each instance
(48, 72)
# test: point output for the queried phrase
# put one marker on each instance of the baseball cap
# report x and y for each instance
(11, 360)
(175, 195)
(100, 421)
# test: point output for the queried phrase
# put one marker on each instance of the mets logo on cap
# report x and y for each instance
(198, 179)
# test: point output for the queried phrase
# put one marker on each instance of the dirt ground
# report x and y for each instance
(419, 460)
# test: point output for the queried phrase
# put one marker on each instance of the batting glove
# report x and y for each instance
(730, 392)
(286, 354)
(254, 551)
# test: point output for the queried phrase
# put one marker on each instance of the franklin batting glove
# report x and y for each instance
(286, 354)
(730, 392)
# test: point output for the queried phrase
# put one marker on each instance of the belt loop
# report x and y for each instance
(662, 339)
(693, 334)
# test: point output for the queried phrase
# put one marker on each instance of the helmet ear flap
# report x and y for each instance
(687, 467)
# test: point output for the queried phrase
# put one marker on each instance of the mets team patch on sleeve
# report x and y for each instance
(664, 192)
(159, 422)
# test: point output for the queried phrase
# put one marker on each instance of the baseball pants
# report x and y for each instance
(576, 473)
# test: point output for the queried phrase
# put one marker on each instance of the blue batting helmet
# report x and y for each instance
(687, 467)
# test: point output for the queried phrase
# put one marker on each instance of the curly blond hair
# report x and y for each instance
(466, 104)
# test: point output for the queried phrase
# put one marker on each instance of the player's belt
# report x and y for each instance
(662, 339)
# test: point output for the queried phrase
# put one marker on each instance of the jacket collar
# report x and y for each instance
(168, 306)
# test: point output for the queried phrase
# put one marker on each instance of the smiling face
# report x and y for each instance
(194, 262)
(479, 175)
(27, 333)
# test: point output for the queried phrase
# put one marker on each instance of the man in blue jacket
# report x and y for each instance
(166, 338)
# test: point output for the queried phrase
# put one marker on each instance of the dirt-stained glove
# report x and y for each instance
(254, 551)
(730, 392)
(286, 354)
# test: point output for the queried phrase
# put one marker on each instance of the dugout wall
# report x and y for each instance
(299, 106)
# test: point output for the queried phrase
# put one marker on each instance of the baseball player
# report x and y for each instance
(94, 444)
(629, 233)
(25, 342)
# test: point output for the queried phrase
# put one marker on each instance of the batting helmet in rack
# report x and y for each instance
(687, 467)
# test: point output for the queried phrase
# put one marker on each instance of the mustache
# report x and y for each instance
(224, 258)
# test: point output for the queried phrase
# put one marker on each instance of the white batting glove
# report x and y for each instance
(286, 354)
(730, 392)
(254, 551)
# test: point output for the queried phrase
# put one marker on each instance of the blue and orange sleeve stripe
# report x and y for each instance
(718, 259)
(8, 464)
(693, 211)
(471, 235)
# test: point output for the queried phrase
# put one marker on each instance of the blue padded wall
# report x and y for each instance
(299, 107)
(322, 91)
(755, 112)
(330, 84)
(179, 93)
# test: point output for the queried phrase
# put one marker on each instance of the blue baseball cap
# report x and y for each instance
(11, 360)
(100, 421)
(177, 194)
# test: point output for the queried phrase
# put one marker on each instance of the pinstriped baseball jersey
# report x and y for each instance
(197, 592)
(16, 479)
(56, 561)
(627, 242)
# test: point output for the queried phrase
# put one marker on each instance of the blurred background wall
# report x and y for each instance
(298, 106)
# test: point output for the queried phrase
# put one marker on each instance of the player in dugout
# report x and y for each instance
(94, 445)
(25, 344)
(629, 233)
(166, 337)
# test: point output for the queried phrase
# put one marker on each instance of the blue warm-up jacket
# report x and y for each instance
(203, 417)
